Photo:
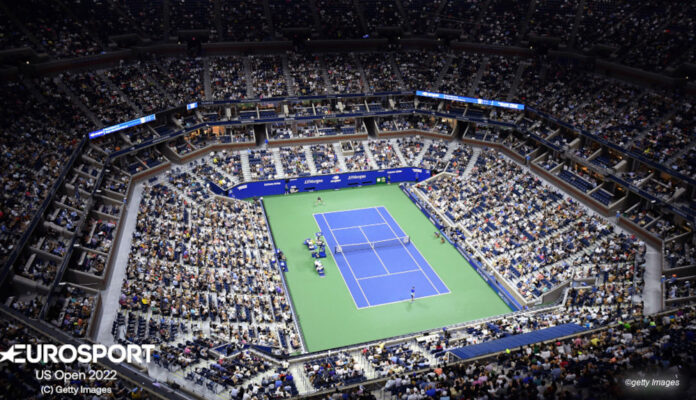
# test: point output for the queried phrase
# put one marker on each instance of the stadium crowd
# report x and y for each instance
(207, 261)
(200, 275)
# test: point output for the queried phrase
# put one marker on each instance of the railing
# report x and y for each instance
(154, 141)
(73, 242)
(457, 116)
(614, 146)
(21, 243)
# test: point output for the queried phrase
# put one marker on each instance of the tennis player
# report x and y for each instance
(413, 293)
(319, 201)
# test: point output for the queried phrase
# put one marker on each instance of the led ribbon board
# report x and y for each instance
(472, 100)
(122, 126)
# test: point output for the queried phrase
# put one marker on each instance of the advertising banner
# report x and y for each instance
(327, 182)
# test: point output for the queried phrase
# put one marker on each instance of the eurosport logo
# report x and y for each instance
(84, 353)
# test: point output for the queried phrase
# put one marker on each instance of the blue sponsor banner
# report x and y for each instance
(464, 99)
(122, 126)
(353, 179)
(257, 189)
(327, 182)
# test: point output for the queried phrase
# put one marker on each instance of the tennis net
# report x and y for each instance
(347, 248)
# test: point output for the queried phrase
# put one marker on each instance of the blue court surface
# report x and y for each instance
(377, 264)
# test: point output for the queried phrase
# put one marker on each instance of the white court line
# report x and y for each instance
(351, 209)
(407, 299)
(389, 274)
(409, 252)
(357, 226)
(349, 267)
(336, 261)
(373, 250)
(402, 230)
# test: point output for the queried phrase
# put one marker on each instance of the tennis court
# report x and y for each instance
(328, 311)
(376, 258)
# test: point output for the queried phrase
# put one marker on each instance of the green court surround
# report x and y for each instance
(326, 311)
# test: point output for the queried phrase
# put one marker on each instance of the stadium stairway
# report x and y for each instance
(681, 153)
(370, 156)
(482, 12)
(361, 14)
(516, 80)
(568, 261)
(652, 291)
(474, 85)
(301, 381)
(642, 133)
(443, 71)
(524, 25)
(472, 162)
(397, 71)
(432, 360)
(75, 100)
(369, 371)
(576, 23)
(246, 170)
(232, 178)
(325, 75)
(531, 245)
(154, 83)
(110, 295)
(361, 71)
(181, 192)
(289, 82)
(247, 77)
(310, 159)
(206, 79)
(419, 156)
(339, 155)
(316, 18)
(117, 90)
(451, 147)
(280, 171)
(258, 379)
(267, 15)
(397, 149)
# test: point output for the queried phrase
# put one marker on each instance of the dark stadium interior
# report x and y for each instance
(563, 170)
